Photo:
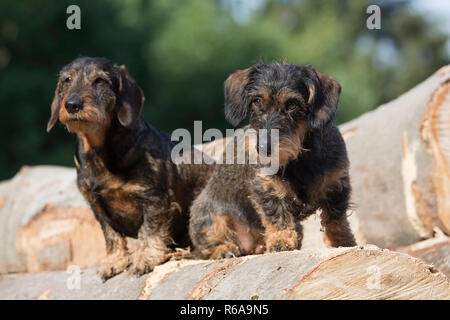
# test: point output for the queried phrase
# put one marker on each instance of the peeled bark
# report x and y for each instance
(344, 273)
(400, 165)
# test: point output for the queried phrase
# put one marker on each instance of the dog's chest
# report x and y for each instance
(305, 177)
(118, 195)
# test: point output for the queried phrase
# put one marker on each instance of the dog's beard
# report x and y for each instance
(89, 124)
(288, 150)
(87, 121)
(290, 147)
(284, 151)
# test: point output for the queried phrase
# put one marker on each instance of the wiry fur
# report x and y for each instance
(301, 103)
(124, 167)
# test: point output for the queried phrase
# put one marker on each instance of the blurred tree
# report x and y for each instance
(180, 52)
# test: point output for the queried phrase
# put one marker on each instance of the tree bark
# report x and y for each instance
(343, 273)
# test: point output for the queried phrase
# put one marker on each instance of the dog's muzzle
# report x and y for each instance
(73, 105)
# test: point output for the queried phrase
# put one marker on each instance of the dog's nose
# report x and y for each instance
(73, 105)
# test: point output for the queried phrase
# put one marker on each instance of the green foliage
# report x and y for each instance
(180, 52)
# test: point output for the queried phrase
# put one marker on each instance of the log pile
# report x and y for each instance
(400, 158)
(45, 224)
(400, 165)
(339, 273)
(435, 251)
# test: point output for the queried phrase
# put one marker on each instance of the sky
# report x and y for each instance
(438, 9)
(434, 9)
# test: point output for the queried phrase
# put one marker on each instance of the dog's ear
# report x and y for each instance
(236, 103)
(130, 99)
(324, 92)
(56, 105)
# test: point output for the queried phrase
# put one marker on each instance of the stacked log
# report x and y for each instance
(435, 251)
(400, 165)
(339, 273)
(45, 224)
(400, 156)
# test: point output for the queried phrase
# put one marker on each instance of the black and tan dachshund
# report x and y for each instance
(243, 211)
(124, 165)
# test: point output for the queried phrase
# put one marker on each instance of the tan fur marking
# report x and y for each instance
(275, 187)
(290, 148)
(223, 250)
(325, 183)
(280, 239)
(90, 123)
(222, 230)
(337, 232)
(227, 229)
(116, 261)
(148, 254)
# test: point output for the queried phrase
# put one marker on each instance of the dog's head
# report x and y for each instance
(91, 93)
(292, 99)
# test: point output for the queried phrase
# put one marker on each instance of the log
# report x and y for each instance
(338, 273)
(435, 251)
(399, 165)
(45, 224)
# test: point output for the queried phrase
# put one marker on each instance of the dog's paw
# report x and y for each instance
(282, 240)
(145, 259)
(336, 242)
(224, 251)
(113, 264)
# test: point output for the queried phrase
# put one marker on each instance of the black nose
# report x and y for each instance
(263, 145)
(73, 105)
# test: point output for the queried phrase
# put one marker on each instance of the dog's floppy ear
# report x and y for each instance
(130, 99)
(236, 103)
(324, 92)
(56, 105)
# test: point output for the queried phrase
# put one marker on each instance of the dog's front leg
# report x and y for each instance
(334, 216)
(150, 249)
(277, 206)
(117, 256)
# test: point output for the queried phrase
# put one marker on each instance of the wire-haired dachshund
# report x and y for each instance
(124, 165)
(243, 211)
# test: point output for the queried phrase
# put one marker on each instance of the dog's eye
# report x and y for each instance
(291, 105)
(100, 80)
(257, 102)
(68, 80)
